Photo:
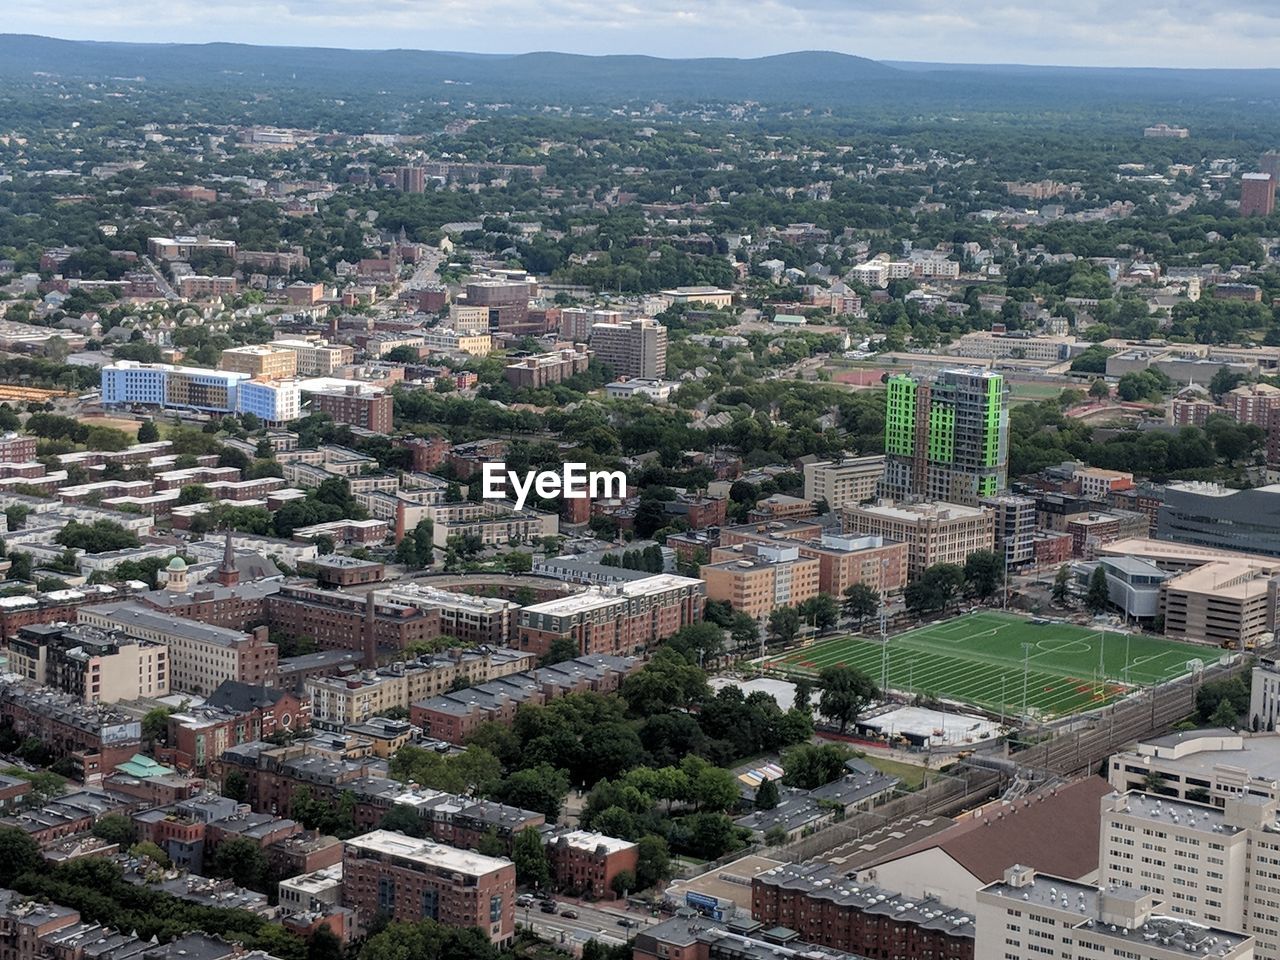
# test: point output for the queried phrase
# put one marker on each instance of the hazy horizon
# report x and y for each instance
(1231, 34)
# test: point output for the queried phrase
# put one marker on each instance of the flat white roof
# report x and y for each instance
(586, 840)
(432, 854)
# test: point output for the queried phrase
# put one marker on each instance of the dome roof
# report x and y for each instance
(177, 565)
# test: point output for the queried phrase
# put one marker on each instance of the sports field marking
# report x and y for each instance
(972, 658)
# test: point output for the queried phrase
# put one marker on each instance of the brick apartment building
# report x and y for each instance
(824, 907)
(407, 880)
(544, 369)
(620, 619)
(343, 621)
(95, 738)
(587, 863)
(15, 448)
(369, 408)
(239, 607)
(454, 717)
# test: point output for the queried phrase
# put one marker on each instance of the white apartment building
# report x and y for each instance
(1028, 915)
(838, 482)
(1209, 864)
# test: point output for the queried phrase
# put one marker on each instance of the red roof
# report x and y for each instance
(1054, 830)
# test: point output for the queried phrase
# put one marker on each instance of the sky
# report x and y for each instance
(1171, 33)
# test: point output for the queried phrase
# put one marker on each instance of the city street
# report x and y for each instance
(594, 922)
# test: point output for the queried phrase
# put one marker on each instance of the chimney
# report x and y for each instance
(370, 634)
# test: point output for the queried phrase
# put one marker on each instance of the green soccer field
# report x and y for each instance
(978, 658)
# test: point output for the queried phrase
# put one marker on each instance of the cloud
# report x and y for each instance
(1194, 33)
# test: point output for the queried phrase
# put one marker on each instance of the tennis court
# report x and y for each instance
(980, 658)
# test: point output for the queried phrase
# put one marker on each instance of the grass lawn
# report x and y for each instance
(910, 774)
(979, 658)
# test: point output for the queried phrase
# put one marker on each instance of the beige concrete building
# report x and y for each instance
(317, 358)
(934, 532)
(469, 319)
(476, 344)
(262, 360)
(635, 348)
(1215, 764)
(1028, 915)
(842, 561)
(766, 576)
(1207, 864)
(201, 656)
(1230, 603)
(839, 482)
(95, 666)
(712, 297)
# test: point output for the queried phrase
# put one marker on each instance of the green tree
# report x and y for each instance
(324, 944)
(784, 624)
(1224, 714)
(560, 649)
(812, 765)
(1062, 586)
(984, 573)
(19, 854)
(861, 601)
(148, 432)
(1099, 389)
(767, 795)
(402, 818)
(1098, 596)
(803, 695)
(624, 883)
(821, 611)
(146, 848)
(155, 724)
(242, 861)
(530, 858)
(491, 844)
(236, 786)
(846, 691)
(114, 828)
(542, 788)
(653, 861)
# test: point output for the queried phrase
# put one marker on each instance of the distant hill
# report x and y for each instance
(807, 78)
(567, 76)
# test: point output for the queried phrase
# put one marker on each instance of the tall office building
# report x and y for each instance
(946, 439)
(1257, 195)
(632, 348)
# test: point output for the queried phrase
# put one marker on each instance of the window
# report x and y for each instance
(495, 908)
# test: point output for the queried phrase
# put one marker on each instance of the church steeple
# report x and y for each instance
(227, 574)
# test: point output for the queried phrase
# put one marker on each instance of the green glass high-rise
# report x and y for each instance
(946, 438)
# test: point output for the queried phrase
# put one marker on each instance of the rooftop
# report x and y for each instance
(389, 843)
